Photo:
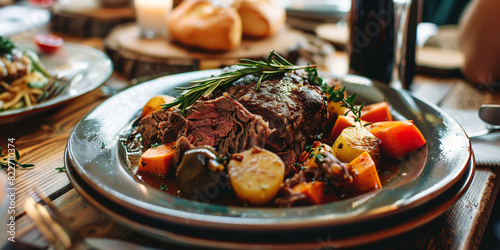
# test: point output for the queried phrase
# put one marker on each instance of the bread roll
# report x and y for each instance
(202, 25)
(260, 18)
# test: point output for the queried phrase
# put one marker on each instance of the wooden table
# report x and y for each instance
(42, 141)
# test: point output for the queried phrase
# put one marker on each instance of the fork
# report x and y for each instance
(56, 228)
(52, 224)
(63, 81)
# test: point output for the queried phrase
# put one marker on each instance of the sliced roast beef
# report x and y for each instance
(291, 106)
(173, 127)
(222, 123)
(289, 159)
(241, 116)
(148, 127)
(225, 124)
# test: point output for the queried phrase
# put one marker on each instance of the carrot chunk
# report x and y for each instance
(314, 191)
(376, 112)
(154, 104)
(157, 160)
(366, 176)
(399, 138)
(341, 123)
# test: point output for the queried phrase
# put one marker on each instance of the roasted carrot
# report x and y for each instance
(365, 172)
(376, 112)
(157, 160)
(399, 138)
(314, 191)
(341, 123)
(154, 104)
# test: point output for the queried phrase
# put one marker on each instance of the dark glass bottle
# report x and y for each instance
(408, 68)
(372, 31)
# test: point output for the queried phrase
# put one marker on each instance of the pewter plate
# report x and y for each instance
(350, 236)
(100, 69)
(98, 158)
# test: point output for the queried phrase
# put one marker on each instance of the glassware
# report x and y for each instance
(151, 16)
(401, 24)
(377, 39)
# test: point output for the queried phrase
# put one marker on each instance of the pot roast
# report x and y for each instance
(284, 114)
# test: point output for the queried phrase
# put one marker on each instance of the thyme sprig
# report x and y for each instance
(347, 102)
(274, 65)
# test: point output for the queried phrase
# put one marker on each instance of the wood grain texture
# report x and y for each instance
(87, 18)
(41, 141)
(461, 227)
(137, 57)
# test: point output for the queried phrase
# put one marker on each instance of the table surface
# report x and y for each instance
(42, 141)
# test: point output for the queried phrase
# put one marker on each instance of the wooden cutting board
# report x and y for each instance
(86, 18)
(135, 56)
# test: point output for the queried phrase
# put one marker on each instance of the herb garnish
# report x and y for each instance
(6, 45)
(313, 78)
(317, 153)
(274, 65)
(163, 187)
(222, 160)
(61, 169)
(6, 162)
(347, 101)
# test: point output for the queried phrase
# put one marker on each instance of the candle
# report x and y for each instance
(151, 16)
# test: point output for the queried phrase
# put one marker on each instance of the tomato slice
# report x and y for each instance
(48, 43)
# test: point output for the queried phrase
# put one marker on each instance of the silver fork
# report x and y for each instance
(63, 81)
(56, 228)
(52, 224)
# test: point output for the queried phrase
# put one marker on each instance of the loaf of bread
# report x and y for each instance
(202, 25)
(260, 18)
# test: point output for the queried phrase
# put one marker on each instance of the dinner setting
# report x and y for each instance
(249, 124)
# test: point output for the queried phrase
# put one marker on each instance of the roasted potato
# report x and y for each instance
(256, 175)
(353, 141)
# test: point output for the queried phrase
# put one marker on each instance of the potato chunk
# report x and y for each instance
(256, 175)
(353, 141)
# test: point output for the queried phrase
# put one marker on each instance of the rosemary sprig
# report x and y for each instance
(347, 101)
(274, 65)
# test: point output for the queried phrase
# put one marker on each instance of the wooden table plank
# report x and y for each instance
(461, 227)
(43, 145)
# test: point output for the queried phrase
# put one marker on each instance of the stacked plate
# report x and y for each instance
(431, 180)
